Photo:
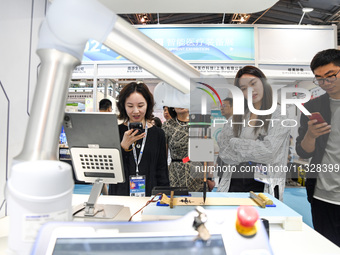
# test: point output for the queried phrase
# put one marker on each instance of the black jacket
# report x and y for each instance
(322, 105)
(153, 165)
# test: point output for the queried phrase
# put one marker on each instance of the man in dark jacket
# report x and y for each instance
(320, 142)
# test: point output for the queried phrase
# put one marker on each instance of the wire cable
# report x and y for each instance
(152, 200)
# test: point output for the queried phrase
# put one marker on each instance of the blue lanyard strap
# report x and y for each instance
(137, 160)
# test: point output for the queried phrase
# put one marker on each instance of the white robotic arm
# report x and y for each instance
(68, 25)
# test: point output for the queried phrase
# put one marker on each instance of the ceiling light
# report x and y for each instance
(240, 18)
(143, 18)
(307, 9)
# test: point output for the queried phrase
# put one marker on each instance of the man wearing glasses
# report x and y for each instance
(320, 142)
(227, 107)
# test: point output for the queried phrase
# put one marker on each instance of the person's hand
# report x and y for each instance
(211, 184)
(130, 136)
(313, 132)
(316, 130)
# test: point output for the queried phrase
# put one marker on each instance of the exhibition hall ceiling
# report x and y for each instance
(249, 12)
(187, 6)
(282, 12)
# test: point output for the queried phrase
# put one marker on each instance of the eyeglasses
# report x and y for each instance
(321, 81)
(224, 105)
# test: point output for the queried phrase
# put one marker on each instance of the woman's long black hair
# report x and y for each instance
(266, 103)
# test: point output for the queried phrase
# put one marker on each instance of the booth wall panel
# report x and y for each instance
(19, 23)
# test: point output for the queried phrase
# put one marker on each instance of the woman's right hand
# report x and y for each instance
(130, 136)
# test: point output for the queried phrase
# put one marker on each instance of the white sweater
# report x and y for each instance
(271, 150)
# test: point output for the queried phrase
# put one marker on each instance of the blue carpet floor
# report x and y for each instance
(294, 197)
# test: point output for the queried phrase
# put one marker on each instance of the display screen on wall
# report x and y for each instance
(190, 43)
(293, 45)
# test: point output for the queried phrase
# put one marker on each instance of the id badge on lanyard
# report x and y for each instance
(137, 186)
(137, 182)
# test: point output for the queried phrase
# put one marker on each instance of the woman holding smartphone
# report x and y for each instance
(143, 144)
(253, 142)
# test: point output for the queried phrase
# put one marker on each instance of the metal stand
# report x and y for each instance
(94, 210)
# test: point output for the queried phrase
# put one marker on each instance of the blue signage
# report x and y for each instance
(190, 43)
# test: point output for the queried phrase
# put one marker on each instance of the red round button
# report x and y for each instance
(247, 215)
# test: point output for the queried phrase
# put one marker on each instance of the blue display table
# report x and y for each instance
(280, 214)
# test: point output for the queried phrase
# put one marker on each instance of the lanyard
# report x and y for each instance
(137, 161)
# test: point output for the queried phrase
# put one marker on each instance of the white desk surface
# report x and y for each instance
(307, 241)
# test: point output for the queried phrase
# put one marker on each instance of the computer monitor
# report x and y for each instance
(94, 143)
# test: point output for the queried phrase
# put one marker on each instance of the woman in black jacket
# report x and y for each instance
(144, 154)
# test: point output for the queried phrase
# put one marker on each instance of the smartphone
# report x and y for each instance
(137, 126)
(317, 116)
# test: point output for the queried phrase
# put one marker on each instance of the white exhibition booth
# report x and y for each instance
(282, 52)
(278, 49)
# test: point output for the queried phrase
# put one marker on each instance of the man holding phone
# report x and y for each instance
(319, 140)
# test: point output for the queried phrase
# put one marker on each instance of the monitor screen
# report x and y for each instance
(185, 245)
(87, 129)
(93, 139)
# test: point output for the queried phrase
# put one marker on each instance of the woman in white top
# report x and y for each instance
(259, 145)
